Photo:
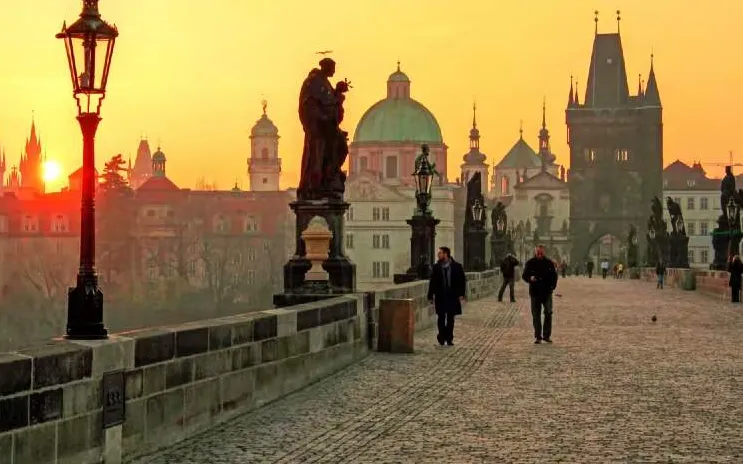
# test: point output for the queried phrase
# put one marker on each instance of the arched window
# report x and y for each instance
(221, 224)
(251, 224)
(504, 186)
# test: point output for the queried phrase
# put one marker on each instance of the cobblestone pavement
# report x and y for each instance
(613, 388)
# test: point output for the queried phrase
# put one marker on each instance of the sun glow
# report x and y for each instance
(52, 171)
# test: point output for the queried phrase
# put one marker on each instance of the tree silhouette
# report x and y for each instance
(113, 178)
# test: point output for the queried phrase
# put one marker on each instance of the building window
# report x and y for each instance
(690, 203)
(390, 167)
(691, 183)
(251, 224)
(380, 270)
(60, 247)
(191, 268)
(30, 224)
(251, 277)
(622, 155)
(385, 241)
(385, 214)
(375, 214)
(703, 228)
(590, 154)
(349, 241)
(703, 203)
(381, 241)
(363, 163)
(265, 180)
(504, 187)
(691, 256)
(251, 254)
(222, 224)
(704, 256)
(59, 224)
(690, 229)
(349, 214)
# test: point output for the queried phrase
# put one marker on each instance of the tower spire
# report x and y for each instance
(474, 115)
(639, 86)
(652, 95)
(577, 102)
(619, 20)
(521, 129)
(596, 20)
(264, 104)
(571, 100)
(544, 112)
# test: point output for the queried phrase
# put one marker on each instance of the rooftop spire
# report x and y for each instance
(571, 100)
(577, 102)
(619, 19)
(521, 129)
(652, 95)
(639, 86)
(474, 115)
(264, 104)
(596, 20)
(398, 65)
(544, 112)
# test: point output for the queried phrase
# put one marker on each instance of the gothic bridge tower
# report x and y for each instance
(616, 151)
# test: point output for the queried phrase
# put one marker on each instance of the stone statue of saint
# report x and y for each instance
(727, 189)
(325, 144)
(674, 210)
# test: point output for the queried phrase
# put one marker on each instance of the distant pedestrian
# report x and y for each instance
(660, 272)
(541, 275)
(735, 268)
(508, 270)
(564, 268)
(447, 289)
(604, 268)
(589, 269)
(620, 271)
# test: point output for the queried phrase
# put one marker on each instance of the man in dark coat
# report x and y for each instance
(541, 275)
(447, 289)
(507, 271)
(589, 269)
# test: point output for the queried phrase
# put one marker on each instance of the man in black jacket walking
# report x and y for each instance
(507, 270)
(541, 275)
(447, 289)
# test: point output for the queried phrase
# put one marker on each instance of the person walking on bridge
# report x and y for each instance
(447, 289)
(541, 275)
(735, 268)
(508, 271)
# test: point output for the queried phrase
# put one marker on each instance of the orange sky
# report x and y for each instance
(192, 77)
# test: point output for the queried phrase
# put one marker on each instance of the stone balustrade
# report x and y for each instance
(176, 381)
(710, 283)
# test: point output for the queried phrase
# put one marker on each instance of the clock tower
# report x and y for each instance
(264, 164)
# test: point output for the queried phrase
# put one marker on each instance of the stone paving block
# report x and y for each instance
(614, 387)
(45, 406)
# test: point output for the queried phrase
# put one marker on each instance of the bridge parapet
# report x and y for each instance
(154, 387)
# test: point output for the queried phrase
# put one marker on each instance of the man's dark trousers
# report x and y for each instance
(541, 331)
(446, 325)
(510, 282)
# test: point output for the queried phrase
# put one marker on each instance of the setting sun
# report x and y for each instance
(52, 171)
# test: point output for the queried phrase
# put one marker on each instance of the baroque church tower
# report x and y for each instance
(616, 150)
(264, 164)
(474, 160)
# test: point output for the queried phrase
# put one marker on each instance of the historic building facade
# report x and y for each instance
(616, 151)
(699, 198)
(26, 179)
(381, 188)
(154, 238)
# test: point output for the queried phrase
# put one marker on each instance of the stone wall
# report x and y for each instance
(710, 283)
(181, 380)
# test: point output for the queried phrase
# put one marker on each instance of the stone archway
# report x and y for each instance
(606, 246)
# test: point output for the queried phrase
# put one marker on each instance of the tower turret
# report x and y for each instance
(264, 164)
(474, 160)
(398, 85)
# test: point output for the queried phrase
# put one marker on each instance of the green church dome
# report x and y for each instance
(398, 120)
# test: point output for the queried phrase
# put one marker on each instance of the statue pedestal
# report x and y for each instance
(341, 271)
(679, 251)
(725, 247)
(474, 250)
(499, 247)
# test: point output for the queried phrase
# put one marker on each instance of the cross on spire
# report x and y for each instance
(474, 115)
(619, 19)
(521, 128)
(596, 20)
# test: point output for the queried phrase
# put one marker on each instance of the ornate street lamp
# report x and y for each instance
(500, 225)
(679, 225)
(477, 211)
(423, 175)
(89, 43)
(651, 233)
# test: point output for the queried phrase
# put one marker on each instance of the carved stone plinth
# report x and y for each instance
(474, 250)
(725, 247)
(679, 251)
(499, 248)
(341, 271)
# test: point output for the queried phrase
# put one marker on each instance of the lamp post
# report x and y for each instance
(423, 224)
(475, 235)
(89, 43)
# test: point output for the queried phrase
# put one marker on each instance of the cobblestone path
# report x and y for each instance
(614, 387)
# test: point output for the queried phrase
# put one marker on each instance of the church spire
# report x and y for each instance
(577, 102)
(474, 132)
